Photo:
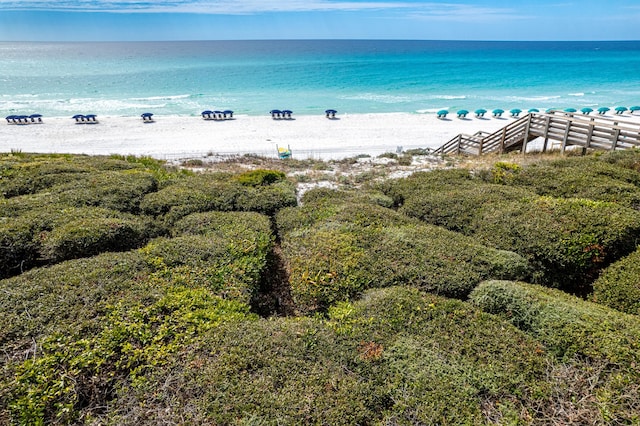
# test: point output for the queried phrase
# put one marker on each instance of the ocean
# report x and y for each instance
(309, 76)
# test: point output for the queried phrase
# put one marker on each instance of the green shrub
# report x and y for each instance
(588, 177)
(618, 286)
(31, 173)
(228, 265)
(457, 208)
(419, 182)
(207, 192)
(326, 196)
(565, 324)
(334, 253)
(19, 249)
(224, 224)
(396, 357)
(67, 298)
(260, 177)
(121, 191)
(71, 374)
(604, 342)
(567, 241)
(54, 233)
(143, 306)
(90, 236)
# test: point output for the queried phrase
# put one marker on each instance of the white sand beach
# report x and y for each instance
(175, 137)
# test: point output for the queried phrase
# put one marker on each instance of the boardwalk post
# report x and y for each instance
(459, 144)
(566, 137)
(526, 134)
(547, 120)
(616, 135)
(502, 139)
(589, 136)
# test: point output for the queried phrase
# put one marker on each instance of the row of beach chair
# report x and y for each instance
(85, 119)
(147, 117)
(217, 115)
(24, 119)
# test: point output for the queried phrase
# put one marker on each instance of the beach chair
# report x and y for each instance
(275, 113)
(11, 119)
(79, 118)
(283, 152)
(36, 118)
(91, 119)
(206, 114)
(331, 113)
(286, 114)
(227, 114)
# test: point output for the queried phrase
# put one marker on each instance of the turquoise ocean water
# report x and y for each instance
(253, 77)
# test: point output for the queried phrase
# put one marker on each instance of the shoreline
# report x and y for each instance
(308, 136)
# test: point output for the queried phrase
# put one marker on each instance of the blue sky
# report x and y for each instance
(76, 20)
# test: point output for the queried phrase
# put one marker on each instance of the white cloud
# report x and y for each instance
(418, 10)
(464, 13)
(201, 6)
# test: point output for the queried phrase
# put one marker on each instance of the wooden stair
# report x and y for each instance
(594, 132)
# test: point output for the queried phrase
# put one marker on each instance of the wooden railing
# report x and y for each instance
(592, 132)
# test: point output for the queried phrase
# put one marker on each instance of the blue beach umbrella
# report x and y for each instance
(515, 112)
(480, 112)
(462, 113)
(497, 112)
(570, 110)
(10, 118)
(634, 108)
(603, 110)
(620, 109)
(227, 112)
(533, 110)
(586, 110)
(146, 114)
(275, 113)
(330, 113)
(36, 118)
(442, 113)
(287, 112)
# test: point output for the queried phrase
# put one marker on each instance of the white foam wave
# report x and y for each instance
(576, 94)
(374, 97)
(448, 97)
(162, 98)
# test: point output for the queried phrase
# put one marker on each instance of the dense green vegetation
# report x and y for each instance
(136, 293)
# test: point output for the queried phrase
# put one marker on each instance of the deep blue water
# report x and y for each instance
(353, 76)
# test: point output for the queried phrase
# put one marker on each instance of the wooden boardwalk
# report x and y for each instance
(565, 129)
